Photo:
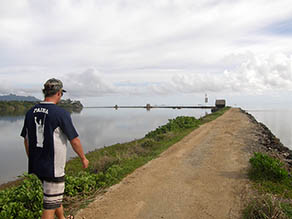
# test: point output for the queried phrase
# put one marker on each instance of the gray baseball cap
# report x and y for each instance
(53, 85)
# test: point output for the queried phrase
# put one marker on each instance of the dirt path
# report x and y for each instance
(202, 176)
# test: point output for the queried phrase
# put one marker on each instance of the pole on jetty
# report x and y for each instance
(148, 106)
(206, 101)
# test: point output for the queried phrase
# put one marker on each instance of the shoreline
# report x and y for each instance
(268, 143)
(269, 175)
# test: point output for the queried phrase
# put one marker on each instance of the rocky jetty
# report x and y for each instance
(267, 142)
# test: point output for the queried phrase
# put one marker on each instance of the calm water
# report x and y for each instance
(102, 127)
(97, 128)
(278, 121)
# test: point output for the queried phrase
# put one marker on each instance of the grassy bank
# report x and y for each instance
(273, 184)
(107, 167)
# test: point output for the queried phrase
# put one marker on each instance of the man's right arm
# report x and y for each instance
(24, 135)
(26, 146)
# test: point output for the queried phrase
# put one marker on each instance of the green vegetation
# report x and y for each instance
(70, 105)
(21, 107)
(15, 107)
(264, 167)
(274, 185)
(107, 167)
(24, 201)
(179, 123)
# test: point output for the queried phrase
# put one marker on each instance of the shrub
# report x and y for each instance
(264, 167)
(85, 183)
(103, 163)
(81, 184)
(179, 123)
(139, 151)
(23, 201)
(160, 137)
(148, 143)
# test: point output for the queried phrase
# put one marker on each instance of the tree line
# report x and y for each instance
(21, 107)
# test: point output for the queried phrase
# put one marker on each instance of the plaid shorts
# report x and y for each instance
(53, 194)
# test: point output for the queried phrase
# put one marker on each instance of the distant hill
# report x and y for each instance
(13, 97)
(14, 105)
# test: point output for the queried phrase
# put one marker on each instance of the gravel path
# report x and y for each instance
(202, 176)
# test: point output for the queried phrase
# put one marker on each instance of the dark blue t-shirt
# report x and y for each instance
(47, 128)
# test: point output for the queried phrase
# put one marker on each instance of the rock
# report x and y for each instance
(286, 154)
(289, 156)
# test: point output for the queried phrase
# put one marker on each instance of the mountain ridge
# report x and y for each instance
(14, 97)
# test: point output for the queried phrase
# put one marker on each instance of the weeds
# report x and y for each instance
(265, 207)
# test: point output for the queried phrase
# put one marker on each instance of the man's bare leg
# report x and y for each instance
(48, 214)
(60, 212)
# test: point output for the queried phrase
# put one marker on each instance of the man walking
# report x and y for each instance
(47, 127)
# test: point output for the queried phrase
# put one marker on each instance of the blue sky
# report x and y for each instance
(154, 51)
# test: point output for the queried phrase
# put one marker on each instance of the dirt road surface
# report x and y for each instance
(202, 176)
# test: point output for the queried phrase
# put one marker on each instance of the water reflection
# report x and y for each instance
(12, 156)
(11, 118)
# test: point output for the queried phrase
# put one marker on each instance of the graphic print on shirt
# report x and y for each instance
(40, 131)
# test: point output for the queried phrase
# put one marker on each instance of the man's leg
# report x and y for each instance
(60, 212)
(53, 196)
(48, 214)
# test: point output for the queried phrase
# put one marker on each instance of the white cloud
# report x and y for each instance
(255, 75)
(89, 83)
(164, 46)
(258, 74)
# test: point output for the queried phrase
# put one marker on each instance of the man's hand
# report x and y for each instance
(85, 162)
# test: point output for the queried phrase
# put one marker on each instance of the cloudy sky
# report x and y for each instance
(149, 51)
